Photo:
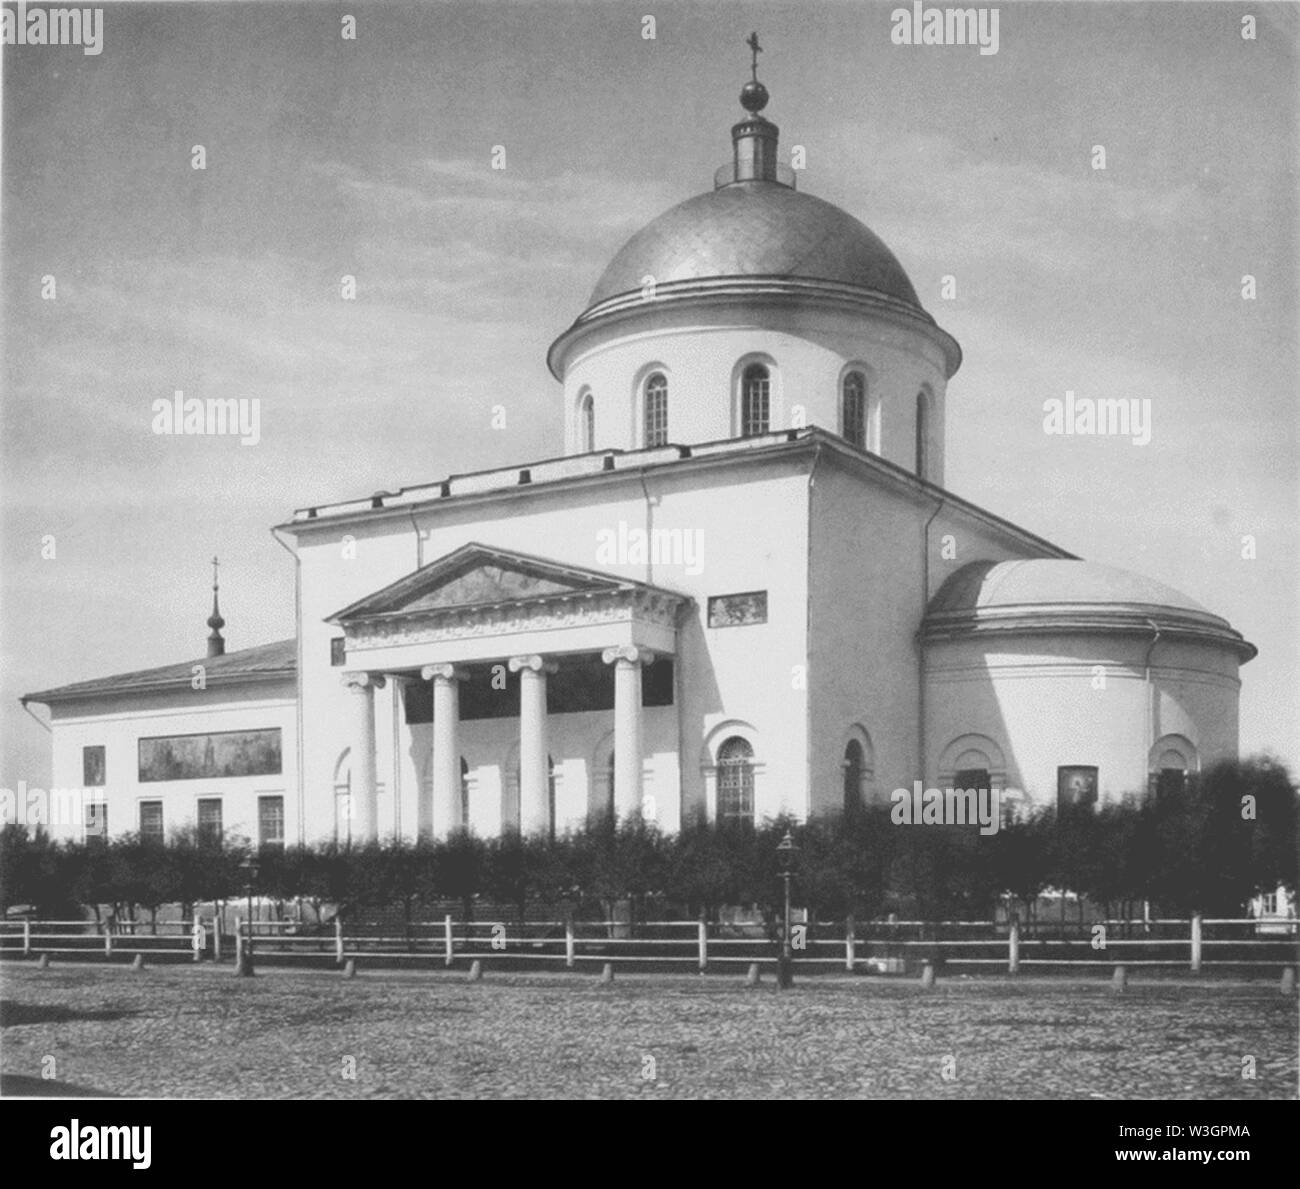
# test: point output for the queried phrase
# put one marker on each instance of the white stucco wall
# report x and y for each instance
(1041, 701)
(868, 596)
(751, 517)
(703, 351)
(119, 722)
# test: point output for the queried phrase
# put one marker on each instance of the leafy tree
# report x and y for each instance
(459, 868)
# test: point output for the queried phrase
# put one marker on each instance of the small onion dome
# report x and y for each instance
(216, 645)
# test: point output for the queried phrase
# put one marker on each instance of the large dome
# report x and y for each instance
(756, 228)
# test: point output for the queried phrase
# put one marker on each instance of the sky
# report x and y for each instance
(372, 158)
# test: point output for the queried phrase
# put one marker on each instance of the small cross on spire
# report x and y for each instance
(755, 50)
(216, 645)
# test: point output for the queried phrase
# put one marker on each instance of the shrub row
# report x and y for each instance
(1229, 835)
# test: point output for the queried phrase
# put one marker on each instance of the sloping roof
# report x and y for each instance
(266, 662)
(481, 576)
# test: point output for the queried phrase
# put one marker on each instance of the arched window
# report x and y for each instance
(464, 794)
(587, 424)
(1172, 761)
(656, 410)
(736, 782)
(853, 410)
(922, 434)
(854, 763)
(755, 401)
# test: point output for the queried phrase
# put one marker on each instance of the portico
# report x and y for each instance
(515, 621)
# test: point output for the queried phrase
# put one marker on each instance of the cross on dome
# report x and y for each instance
(753, 95)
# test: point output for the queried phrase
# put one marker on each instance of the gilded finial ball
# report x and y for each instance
(753, 97)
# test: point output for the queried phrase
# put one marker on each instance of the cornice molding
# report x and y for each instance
(795, 291)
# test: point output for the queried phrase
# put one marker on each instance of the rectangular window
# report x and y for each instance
(656, 412)
(206, 757)
(338, 651)
(342, 815)
(1076, 787)
(96, 819)
(735, 795)
(151, 821)
(210, 830)
(92, 766)
(270, 821)
(735, 610)
(1168, 782)
(972, 778)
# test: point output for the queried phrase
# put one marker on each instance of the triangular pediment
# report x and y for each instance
(478, 576)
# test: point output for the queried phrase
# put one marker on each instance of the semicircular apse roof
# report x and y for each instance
(1055, 581)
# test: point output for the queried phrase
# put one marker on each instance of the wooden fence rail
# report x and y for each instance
(34, 937)
(884, 947)
(867, 946)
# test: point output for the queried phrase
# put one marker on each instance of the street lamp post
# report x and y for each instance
(249, 868)
(785, 853)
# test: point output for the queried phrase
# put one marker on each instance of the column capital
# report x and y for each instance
(532, 662)
(627, 652)
(442, 672)
(360, 681)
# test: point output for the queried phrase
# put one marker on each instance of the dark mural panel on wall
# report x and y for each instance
(203, 757)
(1076, 786)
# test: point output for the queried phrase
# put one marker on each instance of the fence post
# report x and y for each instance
(448, 941)
(338, 939)
(196, 939)
(27, 938)
(216, 935)
(239, 943)
(1196, 942)
(703, 938)
(1013, 948)
(568, 942)
(848, 944)
(108, 942)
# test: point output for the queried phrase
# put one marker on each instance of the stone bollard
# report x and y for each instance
(43, 962)
(607, 973)
(927, 974)
(1119, 980)
(350, 968)
(1288, 980)
(753, 978)
(138, 962)
(475, 972)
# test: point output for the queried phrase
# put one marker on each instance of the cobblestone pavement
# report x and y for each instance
(181, 1031)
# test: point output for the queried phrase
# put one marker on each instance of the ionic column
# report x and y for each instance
(364, 807)
(446, 748)
(534, 774)
(627, 661)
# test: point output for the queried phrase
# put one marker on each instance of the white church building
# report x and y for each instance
(743, 591)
